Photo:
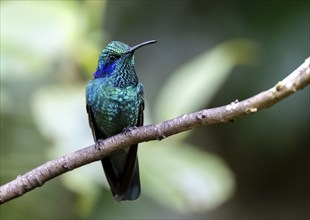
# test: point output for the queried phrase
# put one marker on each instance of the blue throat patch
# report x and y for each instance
(105, 70)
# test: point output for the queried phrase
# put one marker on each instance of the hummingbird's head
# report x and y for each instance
(117, 56)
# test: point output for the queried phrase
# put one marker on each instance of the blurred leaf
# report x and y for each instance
(194, 84)
(61, 116)
(33, 32)
(40, 27)
(36, 34)
(184, 178)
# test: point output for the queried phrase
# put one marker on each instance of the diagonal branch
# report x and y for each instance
(297, 80)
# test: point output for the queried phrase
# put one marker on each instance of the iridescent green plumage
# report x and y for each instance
(114, 102)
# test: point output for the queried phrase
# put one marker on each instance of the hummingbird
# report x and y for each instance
(115, 103)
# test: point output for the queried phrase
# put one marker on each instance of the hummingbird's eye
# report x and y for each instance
(112, 58)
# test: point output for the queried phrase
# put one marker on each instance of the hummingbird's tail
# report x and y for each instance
(134, 189)
(122, 172)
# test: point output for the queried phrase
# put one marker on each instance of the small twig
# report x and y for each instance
(51, 169)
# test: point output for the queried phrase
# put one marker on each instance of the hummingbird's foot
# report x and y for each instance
(128, 129)
(97, 144)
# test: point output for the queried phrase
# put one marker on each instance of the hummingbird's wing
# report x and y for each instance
(107, 165)
(97, 135)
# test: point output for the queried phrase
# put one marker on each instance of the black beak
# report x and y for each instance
(132, 49)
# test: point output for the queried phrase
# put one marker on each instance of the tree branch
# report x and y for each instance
(37, 177)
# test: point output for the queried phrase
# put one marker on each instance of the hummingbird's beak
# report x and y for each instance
(132, 49)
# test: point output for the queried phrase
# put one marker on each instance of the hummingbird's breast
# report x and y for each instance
(114, 108)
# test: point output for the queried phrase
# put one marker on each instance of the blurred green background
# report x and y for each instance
(209, 53)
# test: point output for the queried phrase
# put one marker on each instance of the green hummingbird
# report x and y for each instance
(114, 103)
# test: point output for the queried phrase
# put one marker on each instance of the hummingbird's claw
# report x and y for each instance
(128, 129)
(97, 144)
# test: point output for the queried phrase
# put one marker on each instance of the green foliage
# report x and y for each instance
(193, 85)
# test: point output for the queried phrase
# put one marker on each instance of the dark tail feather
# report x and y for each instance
(125, 184)
(134, 189)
